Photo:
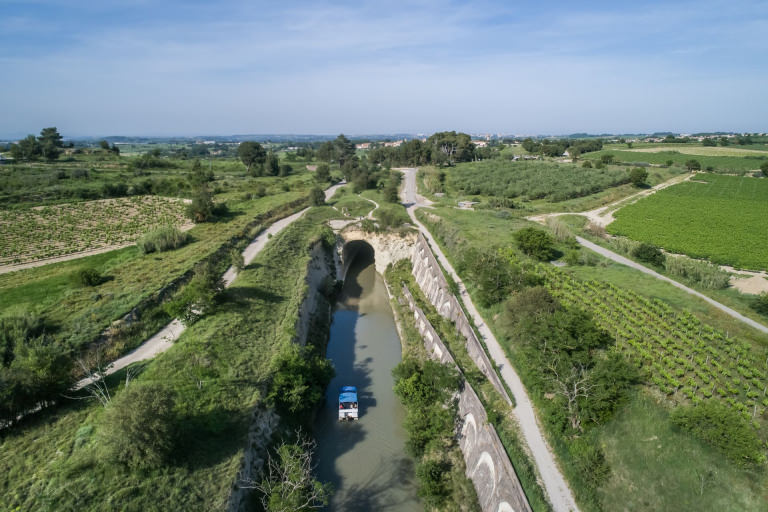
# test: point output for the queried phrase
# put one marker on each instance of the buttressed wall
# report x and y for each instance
(498, 488)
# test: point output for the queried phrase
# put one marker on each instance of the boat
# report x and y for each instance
(348, 403)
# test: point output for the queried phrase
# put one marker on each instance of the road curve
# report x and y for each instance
(555, 485)
(163, 339)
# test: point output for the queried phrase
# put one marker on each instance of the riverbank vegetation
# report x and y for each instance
(205, 391)
(498, 411)
(598, 465)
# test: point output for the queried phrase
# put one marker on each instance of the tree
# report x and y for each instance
(760, 303)
(201, 207)
(607, 158)
(637, 176)
(535, 242)
(198, 296)
(649, 253)
(316, 197)
(326, 152)
(709, 142)
(344, 149)
(27, 149)
(251, 153)
(286, 170)
(451, 147)
(764, 169)
(289, 485)
(323, 173)
(50, 143)
(693, 165)
(299, 380)
(103, 144)
(137, 428)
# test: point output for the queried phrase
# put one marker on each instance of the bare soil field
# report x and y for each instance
(52, 232)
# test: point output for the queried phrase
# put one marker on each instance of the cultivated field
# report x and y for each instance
(721, 218)
(687, 149)
(720, 162)
(58, 230)
(531, 180)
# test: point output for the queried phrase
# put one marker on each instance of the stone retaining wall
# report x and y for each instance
(432, 282)
(498, 488)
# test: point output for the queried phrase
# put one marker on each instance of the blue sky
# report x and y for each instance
(138, 67)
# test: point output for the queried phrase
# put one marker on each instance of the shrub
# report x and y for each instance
(87, 277)
(702, 272)
(715, 423)
(197, 296)
(649, 253)
(637, 176)
(316, 197)
(162, 239)
(587, 164)
(760, 304)
(535, 242)
(299, 381)
(137, 428)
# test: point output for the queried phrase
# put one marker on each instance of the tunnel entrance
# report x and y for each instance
(358, 254)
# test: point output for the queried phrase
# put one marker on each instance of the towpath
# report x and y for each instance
(555, 485)
(163, 339)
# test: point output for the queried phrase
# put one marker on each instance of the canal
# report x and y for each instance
(365, 460)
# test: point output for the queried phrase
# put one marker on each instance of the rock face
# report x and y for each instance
(314, 305)
(388, 247)
(498, 488)
(432, 282)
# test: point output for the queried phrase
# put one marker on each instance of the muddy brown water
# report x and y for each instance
(365, 460)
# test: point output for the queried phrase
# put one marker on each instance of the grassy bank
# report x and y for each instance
(221, 368)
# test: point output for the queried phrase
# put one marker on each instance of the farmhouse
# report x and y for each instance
(364, 145)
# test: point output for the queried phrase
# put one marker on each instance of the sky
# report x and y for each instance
(188, 68)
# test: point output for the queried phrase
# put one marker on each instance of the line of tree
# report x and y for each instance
(554, 148)
(260, 162)
(46, 145)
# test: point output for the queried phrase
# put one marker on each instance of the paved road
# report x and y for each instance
(163, 340)
(626, 261)
(555, 485)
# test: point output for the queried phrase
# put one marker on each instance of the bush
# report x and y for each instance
(587, 164)
(701, 272)
(715, 423)
(637, 176)
(162, 239)
(137, 428)
(299, 381)
(316, 197)
(760, 304)
(87, 277)
(535, 242)
(197, 296)
(649, 253)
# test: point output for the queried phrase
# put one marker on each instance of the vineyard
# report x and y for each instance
(52, 231)
(684, 358)
(721, 218)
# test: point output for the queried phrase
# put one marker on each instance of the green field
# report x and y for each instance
(725, 160)
(651, 464)
(531, 180)
(219, 371)
(721, 218)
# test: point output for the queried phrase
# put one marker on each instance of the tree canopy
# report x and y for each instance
(252, 154)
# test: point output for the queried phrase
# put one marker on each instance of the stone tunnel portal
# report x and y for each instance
(358, 253)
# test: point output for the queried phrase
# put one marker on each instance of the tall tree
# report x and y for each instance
(50, 143)
(251, 153)
(27, 148)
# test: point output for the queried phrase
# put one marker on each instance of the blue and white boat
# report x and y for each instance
(348, 403)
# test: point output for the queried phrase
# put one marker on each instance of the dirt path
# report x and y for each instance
(626, 261)
(555, 485)
(603, 215)
(163, 340)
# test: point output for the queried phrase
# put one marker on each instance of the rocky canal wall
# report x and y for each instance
(498, 488)
(432, 282)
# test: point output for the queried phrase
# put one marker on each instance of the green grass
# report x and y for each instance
(355, 205)
(218, 368)
(664, 469)
(393, 214)
(721, 219)
(726, 164)
(82, 313)
(638, 469)
(531, 180)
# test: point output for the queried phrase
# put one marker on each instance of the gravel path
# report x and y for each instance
(163, 340)
(555, 485)
(626, 261)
